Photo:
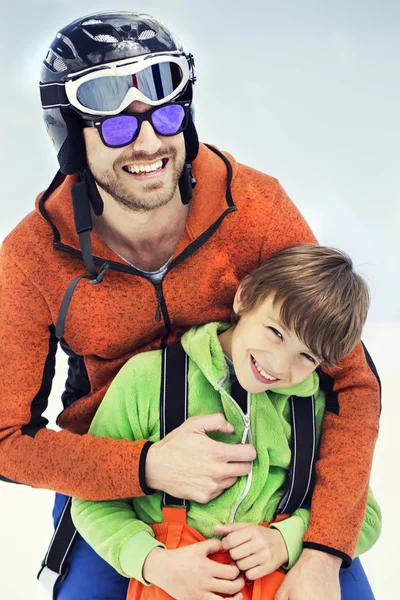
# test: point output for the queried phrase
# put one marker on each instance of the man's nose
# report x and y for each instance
(147, 140)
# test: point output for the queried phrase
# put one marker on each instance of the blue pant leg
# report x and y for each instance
(354, 583)
(89, 577)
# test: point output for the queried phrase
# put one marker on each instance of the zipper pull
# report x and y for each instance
(246, 428)
(158, 311)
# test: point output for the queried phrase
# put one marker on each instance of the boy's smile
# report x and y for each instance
(260, 373)
(264, 352)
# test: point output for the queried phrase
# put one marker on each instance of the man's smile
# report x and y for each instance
(141, 169)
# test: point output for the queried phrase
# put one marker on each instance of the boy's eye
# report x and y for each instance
(310, 358)
(276, 332)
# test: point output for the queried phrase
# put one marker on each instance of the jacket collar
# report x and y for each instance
(211, 197)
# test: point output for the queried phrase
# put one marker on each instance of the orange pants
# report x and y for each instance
(174, 532)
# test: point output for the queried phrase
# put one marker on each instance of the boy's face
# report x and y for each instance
(266, 354)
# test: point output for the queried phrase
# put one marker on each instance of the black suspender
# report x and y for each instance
(303, 446)
(55, 567)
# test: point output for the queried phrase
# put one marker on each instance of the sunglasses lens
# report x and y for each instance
(120, 130)
(107, 93)
(167, 120)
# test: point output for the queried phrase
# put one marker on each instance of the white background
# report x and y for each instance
(305, 91)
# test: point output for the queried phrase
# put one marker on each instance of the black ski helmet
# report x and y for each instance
(92, 41)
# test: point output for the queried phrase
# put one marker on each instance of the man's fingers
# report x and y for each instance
(236, 453)
(281, 594)
(215, 422)
(237, 469)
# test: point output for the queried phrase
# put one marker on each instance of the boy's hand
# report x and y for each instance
(188, 574)
(256, 550)
(314, 576)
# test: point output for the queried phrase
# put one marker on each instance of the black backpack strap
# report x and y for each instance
(55, 566)
(173, 399)
(303, 446)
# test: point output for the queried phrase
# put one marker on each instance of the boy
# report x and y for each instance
(304, 307)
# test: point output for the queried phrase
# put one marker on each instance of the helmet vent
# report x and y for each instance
(147, 34)
(105, 37)
(59, 65)
(92, 22)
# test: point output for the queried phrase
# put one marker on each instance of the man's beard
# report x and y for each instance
(153, 194)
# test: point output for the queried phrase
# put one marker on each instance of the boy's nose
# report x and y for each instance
(281, 367)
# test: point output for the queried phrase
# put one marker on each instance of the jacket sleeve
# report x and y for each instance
(292, 531)
(30, 453)
(351, 422)
(112, 528)
(294, 528)
(349, 432)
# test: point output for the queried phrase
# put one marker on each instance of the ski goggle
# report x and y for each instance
(121, 130)
(109, 88)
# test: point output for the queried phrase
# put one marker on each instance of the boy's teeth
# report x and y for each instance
(262, 372)
(145, 168)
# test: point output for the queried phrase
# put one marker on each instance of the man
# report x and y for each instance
(148, 234)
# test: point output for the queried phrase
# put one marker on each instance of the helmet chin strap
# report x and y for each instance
(186, 183)
(81, 201)
(85, 196)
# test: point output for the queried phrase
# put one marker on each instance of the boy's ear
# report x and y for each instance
(237, 301)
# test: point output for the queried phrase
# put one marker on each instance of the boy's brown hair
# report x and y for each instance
(323, 300)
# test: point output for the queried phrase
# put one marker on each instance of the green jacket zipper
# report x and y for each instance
(246, 434)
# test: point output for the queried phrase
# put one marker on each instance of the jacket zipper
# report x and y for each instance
(246, 428)
(162, 309)
(246, 434)
(158, 311)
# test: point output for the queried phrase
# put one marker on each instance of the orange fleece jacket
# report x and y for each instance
(108, 323)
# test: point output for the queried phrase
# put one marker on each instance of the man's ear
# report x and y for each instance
(237, 301)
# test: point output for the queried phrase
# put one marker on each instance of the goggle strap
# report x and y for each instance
(52, 95)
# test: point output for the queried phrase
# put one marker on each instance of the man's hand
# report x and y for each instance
(188, 464)
(188, 574)
(256, 550)
(313, 577)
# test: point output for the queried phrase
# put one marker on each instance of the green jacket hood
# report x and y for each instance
(203, 347)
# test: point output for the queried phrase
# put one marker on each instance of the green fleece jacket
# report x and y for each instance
(119, 531)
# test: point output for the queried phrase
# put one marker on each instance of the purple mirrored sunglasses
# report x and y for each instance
(121, 130)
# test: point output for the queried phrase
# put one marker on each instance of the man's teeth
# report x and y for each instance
(262, 372)
(144, 168)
